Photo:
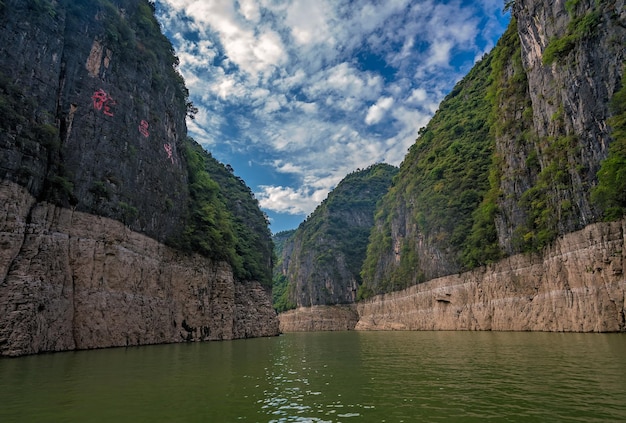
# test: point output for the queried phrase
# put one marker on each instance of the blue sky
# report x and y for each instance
(296, 94)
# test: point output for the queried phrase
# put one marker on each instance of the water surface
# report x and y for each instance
(328, 377)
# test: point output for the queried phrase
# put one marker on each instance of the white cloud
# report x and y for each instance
(289, 200)
(250, 10)
(377, 111)
(256, 50)
(309, 22)
(418, 95)
(344, 80)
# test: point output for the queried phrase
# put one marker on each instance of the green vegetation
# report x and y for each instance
(542, 201)
(336, 234)
(280, 282)
(506, 93)
(610, 194)
(442, 181)
(357, 193)
(253, 240)
(209, 225)
(578, 28)
(280, 294)
(224, 221)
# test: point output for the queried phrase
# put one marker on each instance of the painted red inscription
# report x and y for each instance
(168, 150)
(103, 101)
(143, 128)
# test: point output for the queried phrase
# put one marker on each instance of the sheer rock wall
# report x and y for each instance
(319, 318)
(577, 285)
(73, 280)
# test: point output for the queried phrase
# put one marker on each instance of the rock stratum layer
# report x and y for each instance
(577, 285)
(319, 318)
(72, 280)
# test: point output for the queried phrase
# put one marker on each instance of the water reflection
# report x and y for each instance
(329, 377)
(445, 376)
(313, 379)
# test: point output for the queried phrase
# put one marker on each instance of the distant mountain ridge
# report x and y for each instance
(320, 262)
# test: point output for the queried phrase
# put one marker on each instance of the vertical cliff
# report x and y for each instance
(573, 57)
(575, 285)
(423, 222)
(117, 229)
(94, 111)
(321, 261)
(510, 160)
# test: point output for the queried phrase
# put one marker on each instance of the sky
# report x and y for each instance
(296, 94)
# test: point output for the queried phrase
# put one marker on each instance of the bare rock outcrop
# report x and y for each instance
(577, 285)
(319, 318)
(72, 280)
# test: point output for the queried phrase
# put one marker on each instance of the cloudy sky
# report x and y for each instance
(295, 94)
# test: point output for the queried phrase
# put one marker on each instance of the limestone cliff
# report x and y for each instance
(576, 285)
(511, 158)
(492, 223)
(319, 318)
(73, 280)
(94, 111)
(322, 260)
(105, 200)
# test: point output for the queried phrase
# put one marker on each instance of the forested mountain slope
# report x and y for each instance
(528, 146)
(321, 261)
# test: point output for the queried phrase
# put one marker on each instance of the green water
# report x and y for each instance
(328, 377)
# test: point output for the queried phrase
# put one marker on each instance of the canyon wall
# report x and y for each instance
(577, 285)
(319, 318)
(511, 160)
(322, 260)
(105, 203)
(73, 280)
(491, 222)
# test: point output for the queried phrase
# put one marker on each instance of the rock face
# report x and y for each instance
(95, 111)
(98, 181)
(72, 280)
(577, 285)
(567, 103)
(319, 318)
(323, 258)
(510, 160)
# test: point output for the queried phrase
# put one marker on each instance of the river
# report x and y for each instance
(328, 377)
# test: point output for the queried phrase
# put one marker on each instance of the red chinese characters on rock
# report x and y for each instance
(168, 150)
(143, 128)
(103, 101)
